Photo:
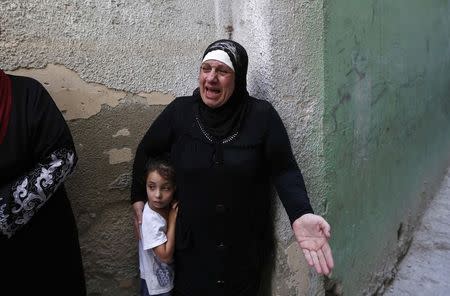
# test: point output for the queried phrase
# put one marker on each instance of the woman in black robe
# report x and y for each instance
(228, 149)
(39, 248)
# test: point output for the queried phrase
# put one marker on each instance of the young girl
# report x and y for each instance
(157, 242)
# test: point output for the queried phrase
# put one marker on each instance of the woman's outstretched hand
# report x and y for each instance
(138, 208)
(312, 233)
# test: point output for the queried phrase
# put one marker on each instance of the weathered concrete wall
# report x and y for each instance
(111, 66)
(286, 65)
(387, 127)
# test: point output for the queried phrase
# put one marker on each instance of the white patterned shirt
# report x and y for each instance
(158, 275)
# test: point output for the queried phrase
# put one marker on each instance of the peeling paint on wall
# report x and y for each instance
(298, 267)
(156, 98)
(74, 97)
(122, 133)
(122, 182)
(77, 98)
(119, 155)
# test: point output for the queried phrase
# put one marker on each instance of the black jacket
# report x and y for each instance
(224, 191)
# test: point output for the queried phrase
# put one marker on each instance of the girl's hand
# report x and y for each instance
(173, 212)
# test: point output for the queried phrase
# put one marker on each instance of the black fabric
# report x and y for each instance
(224, 205)
(5, 103)
(43, 256)
(225, 120)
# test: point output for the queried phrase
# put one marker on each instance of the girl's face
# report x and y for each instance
(159, 191)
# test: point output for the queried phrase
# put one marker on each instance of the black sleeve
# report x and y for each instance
(284, 171)
(155, 142)
(54, 156)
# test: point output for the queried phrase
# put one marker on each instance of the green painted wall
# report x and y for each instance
(386, 127)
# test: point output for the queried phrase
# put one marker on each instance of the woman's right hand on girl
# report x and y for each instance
(138, 208)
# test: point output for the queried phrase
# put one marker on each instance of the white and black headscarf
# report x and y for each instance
(226, 120)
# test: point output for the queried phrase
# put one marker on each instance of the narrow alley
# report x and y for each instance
(425, 270)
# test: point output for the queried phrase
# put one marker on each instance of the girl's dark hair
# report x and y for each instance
(162, 166)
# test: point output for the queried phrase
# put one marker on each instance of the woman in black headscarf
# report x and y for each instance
(228, 149)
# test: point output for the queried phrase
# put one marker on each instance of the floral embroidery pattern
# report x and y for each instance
(32, 191)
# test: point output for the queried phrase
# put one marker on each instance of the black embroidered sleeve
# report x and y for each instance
(20, 201)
